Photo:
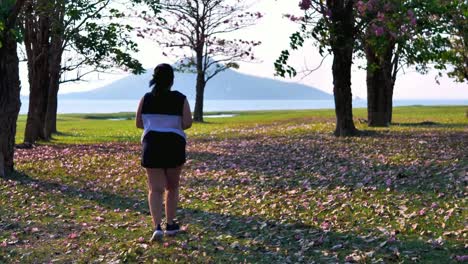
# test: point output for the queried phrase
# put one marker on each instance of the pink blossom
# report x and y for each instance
(381, 16)
(388, 7)
(326, 225)
(305, 4)
(411, 17)
(378, 31)
(361, 7)
(388, 182)
(461, 258)
(371, 5)
(404, 28)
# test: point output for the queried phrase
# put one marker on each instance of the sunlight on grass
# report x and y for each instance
(260, 187)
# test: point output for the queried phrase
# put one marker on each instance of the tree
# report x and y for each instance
(390, 34)
(334, 26)
(9, 83)
(37, 25)
(457, 56)
(86, 29)
(197, 29)
(401, 34)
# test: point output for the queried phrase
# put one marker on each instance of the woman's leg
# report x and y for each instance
(172, 192)
(156, 186)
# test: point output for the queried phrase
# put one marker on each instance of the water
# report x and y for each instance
(115, 106)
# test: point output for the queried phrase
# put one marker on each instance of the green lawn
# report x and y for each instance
(260, 187)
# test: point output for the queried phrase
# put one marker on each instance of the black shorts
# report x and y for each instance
(163, 150)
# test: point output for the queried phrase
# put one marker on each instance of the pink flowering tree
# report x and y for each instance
(390, 34)
(197, 34)
(399, 34)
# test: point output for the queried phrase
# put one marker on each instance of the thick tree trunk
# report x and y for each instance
(343, 96)
(342, 45)
(50, 125)
(37, 29)
(200, 87)
(9, 103)
(36, 114)
(55, 62)
(200, 90)
(390, 102)
(379, 87)
(9, 92)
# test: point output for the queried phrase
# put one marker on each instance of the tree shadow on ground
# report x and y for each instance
(408, 164)
(233, 237)
(59, 133)
(431, 124)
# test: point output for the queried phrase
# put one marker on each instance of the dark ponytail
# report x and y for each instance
(163, 78)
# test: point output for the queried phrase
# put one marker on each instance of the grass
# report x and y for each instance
(260, 187)
(98, 128)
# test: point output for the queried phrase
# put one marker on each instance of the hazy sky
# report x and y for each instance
(274, 31)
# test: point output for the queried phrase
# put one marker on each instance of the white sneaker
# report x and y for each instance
(157, 234)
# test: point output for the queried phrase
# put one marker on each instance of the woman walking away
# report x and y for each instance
(164, 115)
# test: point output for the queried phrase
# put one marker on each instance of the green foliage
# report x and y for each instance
(96, 35)
(5, 6)
(424, 34)
(457, 56)
(282, 67)
(2, 28)
(5, 9)
(106, 45)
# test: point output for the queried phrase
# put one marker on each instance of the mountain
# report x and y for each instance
(228, 85)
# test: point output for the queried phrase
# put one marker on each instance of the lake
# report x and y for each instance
(114, 106)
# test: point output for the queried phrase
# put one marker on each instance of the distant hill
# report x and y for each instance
(228, 85)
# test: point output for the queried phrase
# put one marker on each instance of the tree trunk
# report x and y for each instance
(55, 62)
(200, 87)
(36, 114)
(9, 103)
(37, 29)
(50, 125)
(9, 91)
(342, 44)
(343, 97)
(390, 102)
(379, 86)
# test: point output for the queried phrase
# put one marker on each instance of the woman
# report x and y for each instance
(164, 115)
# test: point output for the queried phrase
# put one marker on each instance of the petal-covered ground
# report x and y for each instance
(282, 192)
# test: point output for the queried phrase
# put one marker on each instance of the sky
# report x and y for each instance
(274, 31)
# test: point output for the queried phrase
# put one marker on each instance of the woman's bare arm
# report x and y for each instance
(139, 120)
(187, 116)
